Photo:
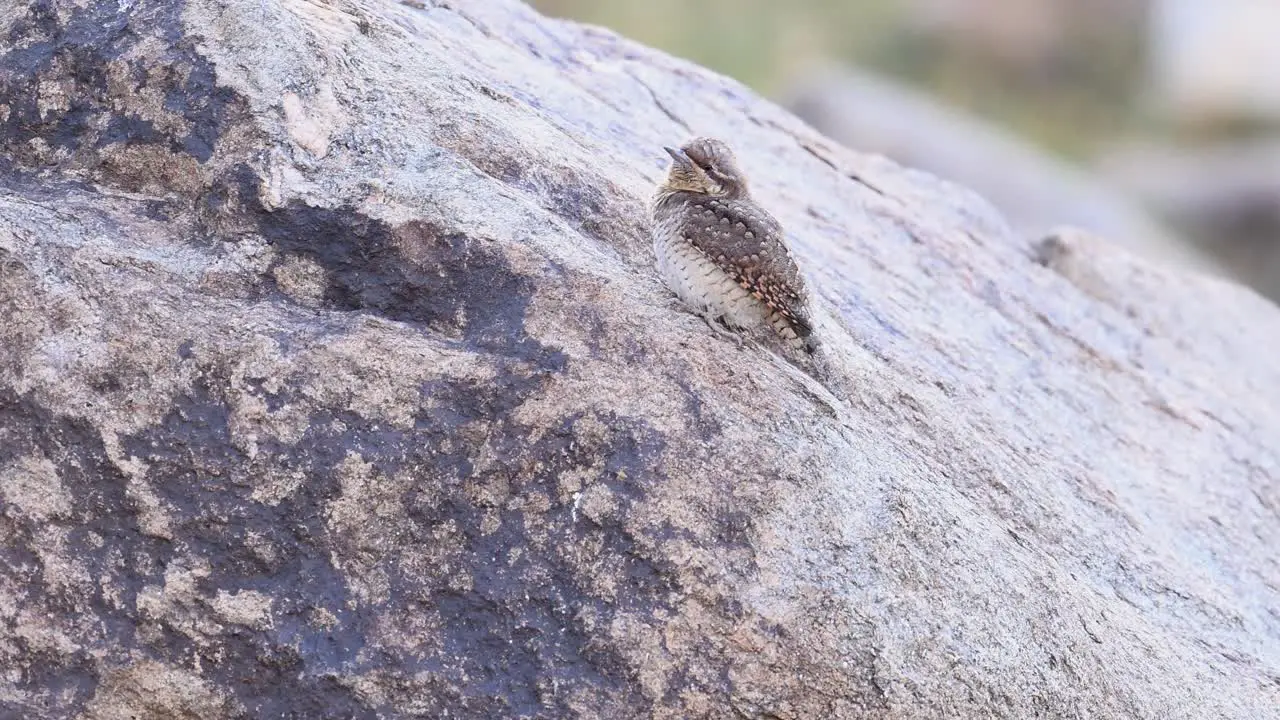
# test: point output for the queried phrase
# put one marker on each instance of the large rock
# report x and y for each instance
(336, 381)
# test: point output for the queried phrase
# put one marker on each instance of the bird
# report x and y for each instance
(722, 254)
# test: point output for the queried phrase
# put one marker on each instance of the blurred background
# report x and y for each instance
(1153, 122)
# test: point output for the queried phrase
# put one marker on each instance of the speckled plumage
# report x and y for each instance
(722, 253)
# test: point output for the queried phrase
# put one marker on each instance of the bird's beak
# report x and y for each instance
(677, 155)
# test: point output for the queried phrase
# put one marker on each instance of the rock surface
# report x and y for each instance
(336, 381)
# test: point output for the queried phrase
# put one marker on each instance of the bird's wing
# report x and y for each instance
(747, 242)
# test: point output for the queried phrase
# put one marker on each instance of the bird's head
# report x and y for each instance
(706, 166)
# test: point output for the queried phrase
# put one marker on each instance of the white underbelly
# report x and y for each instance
(704, 287)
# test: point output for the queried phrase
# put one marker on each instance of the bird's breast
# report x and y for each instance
(702, 284)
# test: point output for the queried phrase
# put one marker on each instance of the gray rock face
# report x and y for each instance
(336, 381)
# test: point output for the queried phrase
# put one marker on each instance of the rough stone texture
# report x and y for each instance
(336, 381)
